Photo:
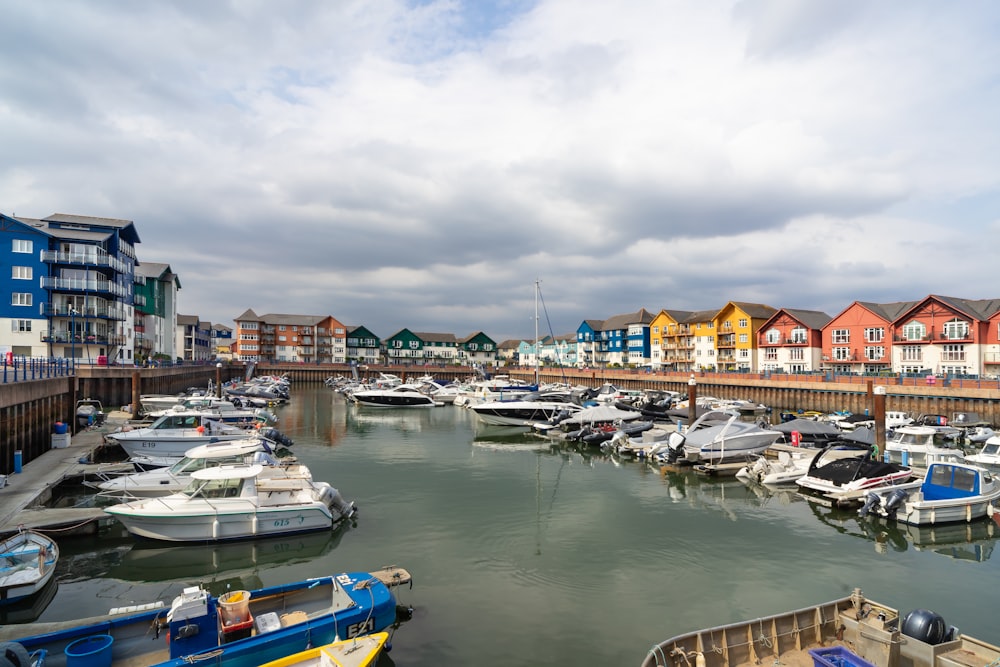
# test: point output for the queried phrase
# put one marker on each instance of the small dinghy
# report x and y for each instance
(27, 562)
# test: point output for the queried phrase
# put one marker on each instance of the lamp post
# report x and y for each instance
(72, 335)
(218, 380)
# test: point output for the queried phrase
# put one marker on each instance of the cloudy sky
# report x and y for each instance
(422, 164)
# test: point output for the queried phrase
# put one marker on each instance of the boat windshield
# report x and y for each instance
(214, 488)
(188, 465)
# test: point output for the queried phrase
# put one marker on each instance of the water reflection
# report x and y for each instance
(28, 611)
(972, 542)
(219, 567)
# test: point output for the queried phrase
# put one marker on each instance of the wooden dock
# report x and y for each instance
(23, 499)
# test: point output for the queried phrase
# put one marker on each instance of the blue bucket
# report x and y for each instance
(60, 427)
(93, 651)
(17, 460)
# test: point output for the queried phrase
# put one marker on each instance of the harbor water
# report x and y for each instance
(530, 552)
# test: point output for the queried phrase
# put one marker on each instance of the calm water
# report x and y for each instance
(525, 553)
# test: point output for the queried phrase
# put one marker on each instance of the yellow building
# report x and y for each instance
(736, 328)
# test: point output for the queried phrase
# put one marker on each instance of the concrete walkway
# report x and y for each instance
(23, 497)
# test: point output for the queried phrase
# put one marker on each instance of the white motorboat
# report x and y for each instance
(786, 469)
(950, 493)
(400, 396)
(233, 502)
(844, 480)
(989, 456)
(530, 409)
(27, 563)
(221, 410)
(173, 434)
(919, 446)
(171, 479)
(719, 436)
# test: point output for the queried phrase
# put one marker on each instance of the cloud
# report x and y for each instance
(421, 164)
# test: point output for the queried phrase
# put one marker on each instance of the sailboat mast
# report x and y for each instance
(538, 350)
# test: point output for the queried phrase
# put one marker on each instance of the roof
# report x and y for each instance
(642, 316)
(435, 337)
(813, 319)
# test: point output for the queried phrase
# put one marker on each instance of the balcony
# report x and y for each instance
(81, 338)
(101, 311)
(83, 259)
(88, 285)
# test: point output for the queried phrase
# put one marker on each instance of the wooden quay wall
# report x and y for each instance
(30, 409)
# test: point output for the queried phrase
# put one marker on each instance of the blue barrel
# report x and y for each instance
(93, 651)
(17, 460)
(61, 427)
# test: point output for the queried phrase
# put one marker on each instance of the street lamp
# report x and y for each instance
(218, 380)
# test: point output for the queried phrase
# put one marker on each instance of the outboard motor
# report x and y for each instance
(928, 627)
(894, 501)
(872, 502)
(193, 623)
(675, 447)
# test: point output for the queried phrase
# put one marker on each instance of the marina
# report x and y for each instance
(538, 551)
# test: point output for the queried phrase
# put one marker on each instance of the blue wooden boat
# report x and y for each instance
(950, 493)
(238, 629)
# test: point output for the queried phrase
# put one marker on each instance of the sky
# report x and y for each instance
(426, 164)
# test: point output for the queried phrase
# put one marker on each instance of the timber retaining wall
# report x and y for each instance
(30, 409)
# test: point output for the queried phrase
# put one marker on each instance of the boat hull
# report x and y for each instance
(199, 526)
(851, 631)
(316, 611)
(27, 563)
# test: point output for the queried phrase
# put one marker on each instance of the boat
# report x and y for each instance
(988, 457)
(529, 409)
(354, 652)
(27, 562)
(231, 502)
(852, 631)
(237, 629)
(950, 493)
(175, 433)
(719, 436)
(785, 469)
(808, 432)
(844, 480)
(919, 446)
(399, 396)
(171, 479)
(89, 412)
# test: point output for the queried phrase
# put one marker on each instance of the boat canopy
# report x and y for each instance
(228, 472)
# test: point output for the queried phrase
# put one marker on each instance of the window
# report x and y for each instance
(21, 325)
(914, 331)
(414, 344)
(22, 245)
(796, 354)
(911, 352)
(956, 329)
(842, 353)
(20, 299)
(770, 354)
(21, 272)
(773, 336)
(874, 334)
(397, 343)
(841, 336)
(743, 338)
(874, 352)
(799, 335)
(743, 323)
(953, 353)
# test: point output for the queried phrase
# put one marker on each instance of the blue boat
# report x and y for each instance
(238, 629)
